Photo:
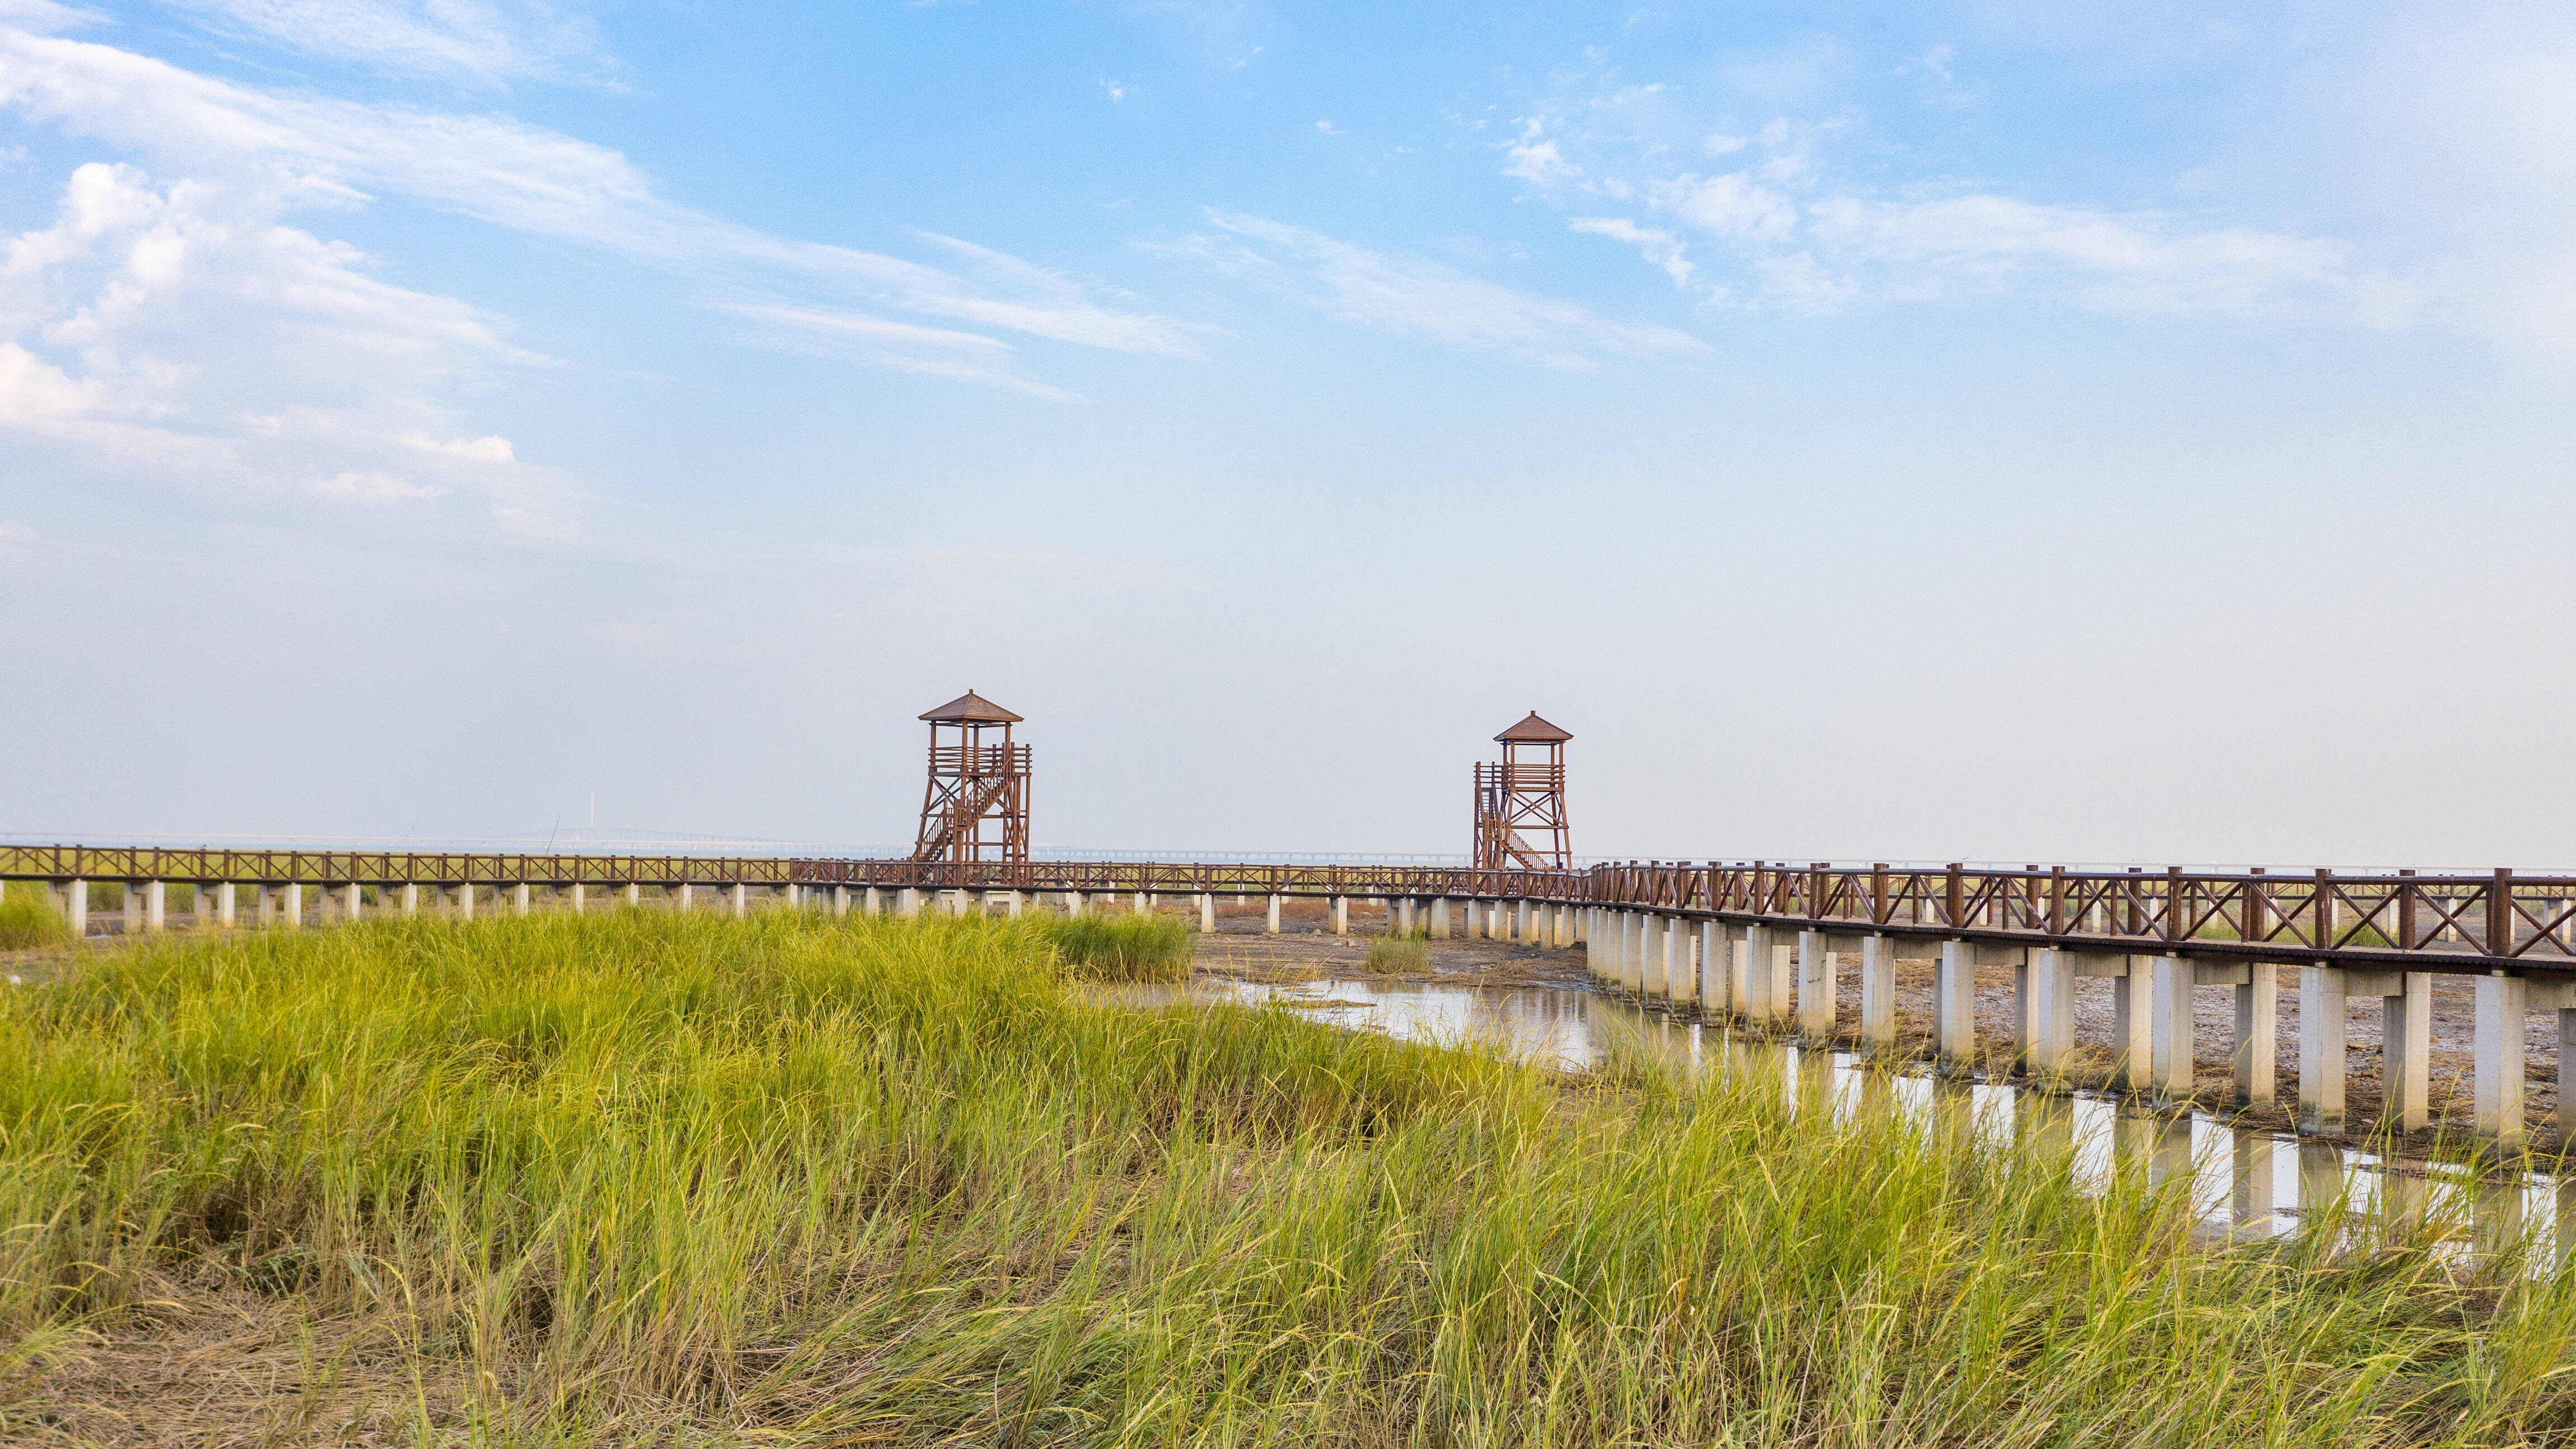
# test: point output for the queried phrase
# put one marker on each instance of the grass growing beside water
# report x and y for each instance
(644, 1177)
(1129, 947)
(1393, 955)
(29, 917)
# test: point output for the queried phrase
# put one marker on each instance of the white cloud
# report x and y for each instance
(373, 488)
(15, 538)
(1535, 158)
(473, 40)
(1415, 297)
(522, 177)
(1787, 227)
(1327, 128)
(1732, 205)
(179, 332)
(1117, 90)
(480, 450)
(1658, 246)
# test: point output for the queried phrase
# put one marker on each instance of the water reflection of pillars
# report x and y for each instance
(2250, 1178)
(2046, 1124)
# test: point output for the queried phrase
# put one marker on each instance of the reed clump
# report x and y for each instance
(1131, 947)
(652, 1178)
(1398, 955)
(29, 918)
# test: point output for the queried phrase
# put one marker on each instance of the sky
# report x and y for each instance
(1988, 431)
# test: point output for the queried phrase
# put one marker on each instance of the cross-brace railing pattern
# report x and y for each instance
(2452, 923)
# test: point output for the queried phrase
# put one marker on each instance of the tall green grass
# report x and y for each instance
(28, 917)
(1389, 955)
(644, 1177)
(1131, 947)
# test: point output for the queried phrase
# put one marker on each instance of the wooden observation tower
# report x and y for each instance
(976, 806)
(1520, 803)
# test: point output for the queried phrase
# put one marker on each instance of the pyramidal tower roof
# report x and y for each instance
(1533, 731)
(973, 708)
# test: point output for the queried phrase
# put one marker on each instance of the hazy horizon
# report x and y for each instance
(1985, 432)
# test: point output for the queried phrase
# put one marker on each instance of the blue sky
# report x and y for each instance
(1983, 431)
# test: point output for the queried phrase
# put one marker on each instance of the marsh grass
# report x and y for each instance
(29, 917)
(1131, 947)
(651, 1178)
(1396, 955)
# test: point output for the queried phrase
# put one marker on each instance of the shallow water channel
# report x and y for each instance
(2244, 1182)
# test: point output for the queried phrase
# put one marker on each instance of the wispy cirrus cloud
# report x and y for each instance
(1783, 221)
(480, 42)
(176, 315)
(1413, 296)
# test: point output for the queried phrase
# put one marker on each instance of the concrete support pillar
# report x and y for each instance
(465, 901)
(2133, 1014)
(907, 902)
(871, 902)
(1138, 905)
(1271, 926)
(1594, 959)
(1561, 927)
(2503, 1004)
(2258, 1015)
(1681, 962)
(2169, 1066)
(841, 902)
(1878, 992)
(2567, 1103)
(291, 903)
(224, 902)
(991, 899)
(1954, 1007)
(956, 903)
(1408, 913)
(2051, 975)
(1632, 951)
(1652, 978)
(1018, 903)
(267, 905)
(1716, 953)
(1474, 912)
(1073, 903)
(684, 898)
(519, 899)
(1207, 913)
(580, 898)
(1815, 987)
(156, 899)
(1440, 918)
(1341, 915)
(76, 907)
(2321, 1048)
(2406, 1052)
(134, 908)
(351, 899)
(1759, 1007)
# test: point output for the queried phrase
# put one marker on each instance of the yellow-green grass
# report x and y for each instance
(1131, 947)
(29, 917)
(1390, 955)
(644, 1177)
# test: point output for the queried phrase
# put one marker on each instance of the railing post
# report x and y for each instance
(2320, 924)
(2174, 895)
(2500, 914)
(2405, 913)
(1957, 903)
(2057, 901)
